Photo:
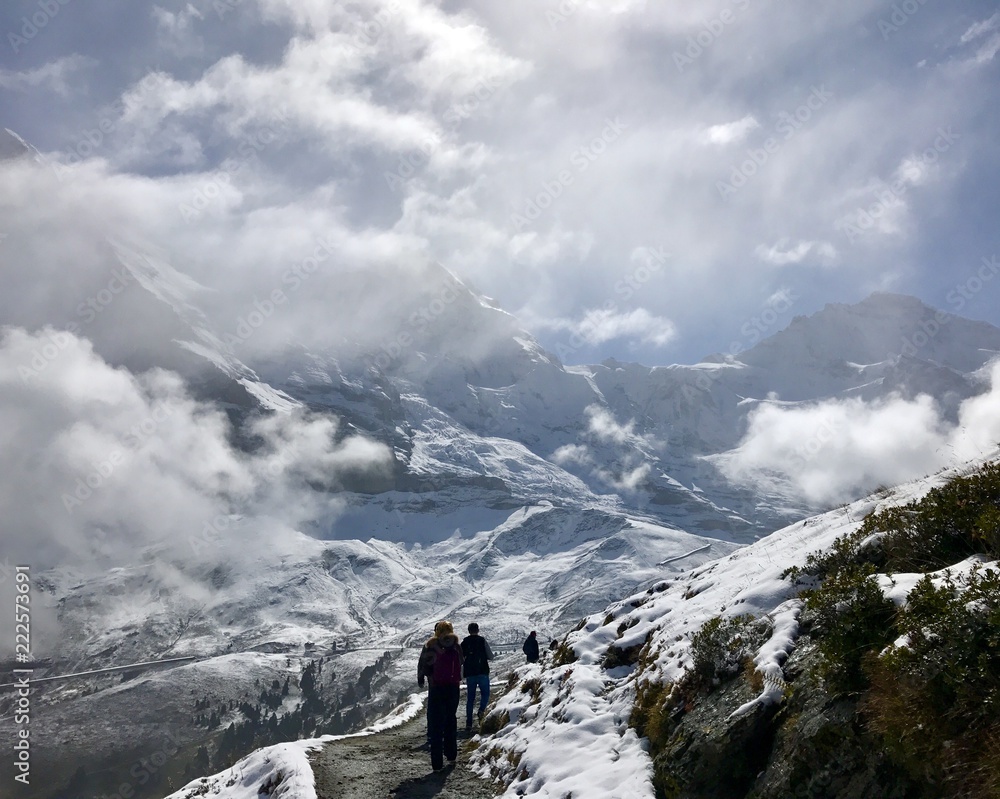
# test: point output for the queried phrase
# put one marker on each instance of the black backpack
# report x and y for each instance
(474, 649)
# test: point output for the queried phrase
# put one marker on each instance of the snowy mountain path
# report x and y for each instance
(392, 765)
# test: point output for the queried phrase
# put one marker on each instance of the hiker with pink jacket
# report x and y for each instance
(440, 664)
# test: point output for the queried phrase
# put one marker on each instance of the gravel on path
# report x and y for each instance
(394, 765)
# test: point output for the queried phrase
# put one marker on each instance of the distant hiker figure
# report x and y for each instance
(441, 664)
(478, 654)
(530, 647)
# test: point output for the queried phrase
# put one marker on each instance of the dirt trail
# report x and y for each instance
(393, 765)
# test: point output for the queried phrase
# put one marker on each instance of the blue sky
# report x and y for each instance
(633, 180)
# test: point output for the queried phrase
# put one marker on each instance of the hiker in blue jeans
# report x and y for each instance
(476, 669)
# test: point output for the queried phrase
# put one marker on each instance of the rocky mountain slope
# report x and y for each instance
(645, 436)
(849, 654)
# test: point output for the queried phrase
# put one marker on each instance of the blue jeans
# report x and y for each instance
(481, 681)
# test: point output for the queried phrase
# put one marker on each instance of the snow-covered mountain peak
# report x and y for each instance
(882, 327)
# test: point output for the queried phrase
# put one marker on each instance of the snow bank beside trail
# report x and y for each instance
(568, 737)
(283, 771)
(567, 730)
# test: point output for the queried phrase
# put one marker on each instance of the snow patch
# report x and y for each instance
(283, 771)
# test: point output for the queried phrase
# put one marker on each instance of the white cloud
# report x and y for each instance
(832, 451)
(538, 249)
(58, 76)
(781, 253)
(176, 30)
(980, 29)
(598, 326)
(484, 107)
(429, 63)
(987, 52)
(176, 22)
(632, 468)
(99, 463)
(622, 464)
(978, 429)
(730, 132)
(573, 454)
(602, 423)
(984, 36)
(628, 479)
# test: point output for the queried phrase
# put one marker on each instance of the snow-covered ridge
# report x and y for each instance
(568, 728)
(449, 366)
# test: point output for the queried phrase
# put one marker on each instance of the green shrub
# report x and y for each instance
(720, 648)
(853, 620)
(564, 654)
(949, 524)
(651, 713)
(853, 549)
(621, 656)
(958, 519)
(936, 701)
(653, 705)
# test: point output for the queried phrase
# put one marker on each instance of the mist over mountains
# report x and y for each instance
(431, 395)
(208, 470)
